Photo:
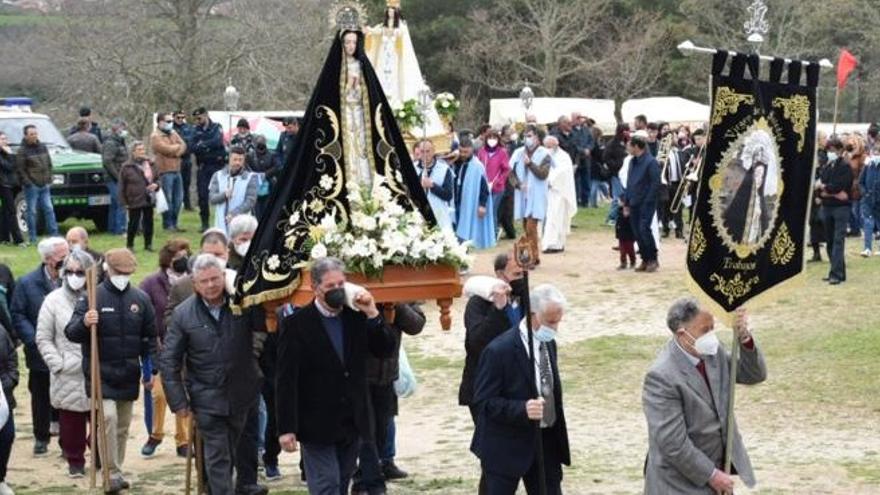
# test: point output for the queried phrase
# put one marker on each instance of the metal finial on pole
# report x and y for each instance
(757, 25)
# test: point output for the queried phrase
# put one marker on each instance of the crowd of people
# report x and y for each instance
(231, 178)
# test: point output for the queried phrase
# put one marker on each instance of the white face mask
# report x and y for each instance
(120, 281)
(76, 282)
(832, 156)
(707, 345)
(76, 246)
(242, 248)
(492, 143)
(530, 142)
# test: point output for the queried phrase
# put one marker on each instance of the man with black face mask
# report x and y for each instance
(321, 382)
(486, 319)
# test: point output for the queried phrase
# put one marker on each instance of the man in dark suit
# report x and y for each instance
(321, 382)
(513, 398)
(486, 319)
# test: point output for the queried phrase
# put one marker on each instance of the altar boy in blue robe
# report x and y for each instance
(473, 203)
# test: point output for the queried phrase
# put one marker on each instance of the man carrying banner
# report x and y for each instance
(686, 400)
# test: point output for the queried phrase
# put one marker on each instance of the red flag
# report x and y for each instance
(845, 65)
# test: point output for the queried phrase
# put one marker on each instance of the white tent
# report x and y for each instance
(843, 128)
(505, 111)
(672, 109)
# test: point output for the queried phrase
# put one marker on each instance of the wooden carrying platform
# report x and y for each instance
(398, 284)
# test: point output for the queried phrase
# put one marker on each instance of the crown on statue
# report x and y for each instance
(393, 4)
(347, 16)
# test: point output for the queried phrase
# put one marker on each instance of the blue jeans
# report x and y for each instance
(868, 224)
(116, 217)
(596, 186)
(263, 420)
(41, 197)
(496, 206)
(582, 181)
(855, 217)
(389, 452)
(172, 186)
(616, 191)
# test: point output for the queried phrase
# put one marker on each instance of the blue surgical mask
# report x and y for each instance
(545, 334)
(832, 156)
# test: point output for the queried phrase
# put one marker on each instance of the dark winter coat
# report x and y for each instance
(34, 164)
(133, 184)
(26, 301)
(222, 376)
(126, 336)
(207, 145)
(114, 154)
(8, 172)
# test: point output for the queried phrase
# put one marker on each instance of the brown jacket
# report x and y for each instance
(167, 150)
(133, 184)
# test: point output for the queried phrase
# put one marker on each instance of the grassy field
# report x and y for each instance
(813, 427)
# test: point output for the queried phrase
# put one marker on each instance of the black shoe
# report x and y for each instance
(679, 235)
(41, 448)
(834, 281)
(182, 451)
(392, 472)
(826, 279)
(252, 490)
(76, 472)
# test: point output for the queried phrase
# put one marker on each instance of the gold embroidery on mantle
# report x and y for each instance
(735, 288)
(698, 242)
(727, 101)
(783, 249)
(797, 110)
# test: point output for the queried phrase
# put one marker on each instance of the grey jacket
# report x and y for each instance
(687, 426)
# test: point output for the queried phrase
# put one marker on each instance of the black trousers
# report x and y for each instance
(499, 484)
(41, 407)
(667, 216)
(246, 450)
(220, 435)
(482, 489)
(505, 213)
(203, 180)
(383, 400)
(835, 220)
(8, 220)
(135, 217)
(186, 174)
(268, 364)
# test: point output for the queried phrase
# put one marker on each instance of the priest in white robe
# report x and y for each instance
(561, 199)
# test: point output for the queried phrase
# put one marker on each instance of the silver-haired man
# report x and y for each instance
(686, 401)
(511, 397)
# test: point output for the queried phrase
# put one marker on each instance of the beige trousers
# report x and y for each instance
(117, 419)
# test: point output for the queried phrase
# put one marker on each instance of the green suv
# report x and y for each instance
(78, 178)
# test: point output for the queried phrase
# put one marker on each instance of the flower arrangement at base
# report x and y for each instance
(380, 232)
(447, 106)
(408, 116)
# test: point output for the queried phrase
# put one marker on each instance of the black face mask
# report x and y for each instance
(335, 298)
(518, 287)
(59, 265)
(261, 147)
(180, 265)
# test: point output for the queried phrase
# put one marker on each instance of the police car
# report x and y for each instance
(78, 178)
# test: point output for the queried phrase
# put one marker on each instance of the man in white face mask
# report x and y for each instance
(686, 402)
(126, 325)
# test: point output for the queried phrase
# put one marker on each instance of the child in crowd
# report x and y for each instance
(626, 242)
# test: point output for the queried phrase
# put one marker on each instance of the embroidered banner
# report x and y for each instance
(750, 214)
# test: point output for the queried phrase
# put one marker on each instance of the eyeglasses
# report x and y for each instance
(80, 273)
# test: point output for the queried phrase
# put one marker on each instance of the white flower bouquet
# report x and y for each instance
(408, 116)
(380, 232)
(447, 106)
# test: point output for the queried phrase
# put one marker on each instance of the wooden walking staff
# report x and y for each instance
(98, 435)
(194, 450)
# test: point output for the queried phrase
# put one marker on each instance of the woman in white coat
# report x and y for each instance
(67, 384)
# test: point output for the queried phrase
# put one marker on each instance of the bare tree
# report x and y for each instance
(541, 43)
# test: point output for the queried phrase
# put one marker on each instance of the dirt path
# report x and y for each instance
(817, 448)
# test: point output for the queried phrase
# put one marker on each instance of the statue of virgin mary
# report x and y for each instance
(348, 137)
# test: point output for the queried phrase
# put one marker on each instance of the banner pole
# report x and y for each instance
(734, 364)
(836, 106)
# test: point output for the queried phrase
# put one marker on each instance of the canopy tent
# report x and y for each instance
(843, 128)
(506, 111)
(671, 109)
